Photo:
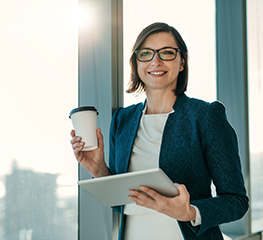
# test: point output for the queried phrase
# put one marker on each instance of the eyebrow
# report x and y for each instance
(159, 48)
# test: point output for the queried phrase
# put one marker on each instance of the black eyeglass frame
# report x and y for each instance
(157, 51)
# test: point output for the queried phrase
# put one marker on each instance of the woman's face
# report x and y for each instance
(158, 74)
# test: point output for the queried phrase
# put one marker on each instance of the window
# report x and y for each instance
(197, 27)
(38, 190)
(255, 85)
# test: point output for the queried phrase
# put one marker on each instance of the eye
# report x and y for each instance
(145, 53)
(168, 52)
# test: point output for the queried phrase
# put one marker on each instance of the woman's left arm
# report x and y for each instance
(222, 159)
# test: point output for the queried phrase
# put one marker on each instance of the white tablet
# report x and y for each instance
(114, 190)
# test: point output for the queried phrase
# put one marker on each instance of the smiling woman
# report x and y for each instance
(160, 74)
(201, 76)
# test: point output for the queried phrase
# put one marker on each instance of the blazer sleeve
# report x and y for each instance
(223, 162)
(113, 130)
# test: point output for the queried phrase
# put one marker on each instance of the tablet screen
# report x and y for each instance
(114, 190)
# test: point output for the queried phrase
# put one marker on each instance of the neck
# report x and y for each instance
(160, 103)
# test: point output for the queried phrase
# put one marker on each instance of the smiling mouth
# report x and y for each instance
(157, 73)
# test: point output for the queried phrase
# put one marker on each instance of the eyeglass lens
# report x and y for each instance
(165, 54)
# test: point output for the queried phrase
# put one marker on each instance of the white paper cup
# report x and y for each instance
(84, 121)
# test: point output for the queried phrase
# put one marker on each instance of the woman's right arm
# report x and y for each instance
(92, 160)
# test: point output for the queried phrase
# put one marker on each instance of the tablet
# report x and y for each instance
(114, 190)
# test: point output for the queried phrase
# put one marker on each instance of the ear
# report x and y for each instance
(182, 65)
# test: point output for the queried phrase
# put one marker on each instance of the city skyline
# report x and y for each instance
(31, 202)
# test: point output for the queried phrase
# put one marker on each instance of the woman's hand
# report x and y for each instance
(177, 207)
(92, 160)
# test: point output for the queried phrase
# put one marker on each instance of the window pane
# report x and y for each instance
(255, 84)
(197, 27)
(38, 73)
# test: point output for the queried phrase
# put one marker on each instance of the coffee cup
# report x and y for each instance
(84, 121)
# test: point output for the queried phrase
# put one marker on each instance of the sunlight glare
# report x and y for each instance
(84, 16)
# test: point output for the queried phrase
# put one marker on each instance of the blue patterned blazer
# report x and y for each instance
(198, 146)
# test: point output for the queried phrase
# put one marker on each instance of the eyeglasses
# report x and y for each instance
(166, 54)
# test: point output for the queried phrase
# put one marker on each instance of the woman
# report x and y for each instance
(189, 139)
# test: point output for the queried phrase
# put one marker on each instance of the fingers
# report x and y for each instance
(75, 139)
(100, 138)
(77, 152)
(177, 207)
(72, 133)
(145, 193)
(138, 201)
(183, 193)
(140, 198)
(150, 192)
(145, 197)
(76, 143)
(177, 185)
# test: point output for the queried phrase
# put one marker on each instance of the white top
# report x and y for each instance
(143, 223)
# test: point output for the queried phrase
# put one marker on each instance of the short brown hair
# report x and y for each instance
(136, 84)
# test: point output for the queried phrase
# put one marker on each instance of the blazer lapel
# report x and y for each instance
(127, 139)
(174, 145)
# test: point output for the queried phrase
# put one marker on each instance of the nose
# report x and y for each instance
(156, 60)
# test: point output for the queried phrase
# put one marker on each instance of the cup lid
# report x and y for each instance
(84, 108)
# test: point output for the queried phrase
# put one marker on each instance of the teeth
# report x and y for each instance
(157, 73)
